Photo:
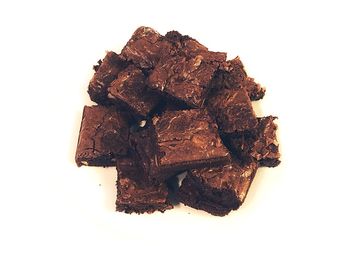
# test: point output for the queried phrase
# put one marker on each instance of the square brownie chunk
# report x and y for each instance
(129, 91)
(135, 193)
(182, 140)
(106, 72)
(103, 136)
(145, 48)
(232, 75)
(259, 144)
(218, 190)
(232, 109)
(184, 79)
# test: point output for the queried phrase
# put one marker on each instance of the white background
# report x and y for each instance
(51, 211)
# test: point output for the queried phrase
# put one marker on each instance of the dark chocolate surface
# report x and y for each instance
(145, 48)
(106, 72)
(218, 190)
(135, 193)
(260, 144)
(187, 139)
(103, 136)
(232, 109)
(129, 90)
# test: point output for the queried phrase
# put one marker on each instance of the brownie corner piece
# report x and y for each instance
(218, 190)
(232, 109)
(261, 143)
(129, 91)
(136, 194)
(105, 72)
(187, 139)
(103, 136)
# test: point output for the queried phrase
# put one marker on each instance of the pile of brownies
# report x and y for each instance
(166, 105)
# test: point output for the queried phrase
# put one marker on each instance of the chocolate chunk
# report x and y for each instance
(129, 91)
(145, 48)
(181, 140)
(184, 79)
(218, 190)
(255, 90)
(106, 71)
(260, 144)
(135, 193)
(232, 109)
(103, 136)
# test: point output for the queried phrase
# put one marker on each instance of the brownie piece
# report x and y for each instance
(231, 75)
(145, 48)
(218, 190)
(186, 46)
(181, 140)
(260, 144)
(103, 136)
(135, 193)
(129, 90)
(184, 79)
(232, 109)
(106, 71)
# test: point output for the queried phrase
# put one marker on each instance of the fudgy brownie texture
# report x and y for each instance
(129, 90)
(106, 71)
(259, 144)
(145, 48)
(232, 109)
(186, 139)
(177, 141)
(218, 190)
(103, 136)
(135, 193)
(232, 75)
(184, 79)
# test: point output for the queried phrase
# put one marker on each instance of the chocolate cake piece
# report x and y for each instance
(129, 91)
(135, 193)
(185, 46)
(260, 144)
(232, 109)
(232, 75)
(218, 190)
(184, 79)
(103, 136)
(184, 140)
(145, 48)
(106, 71)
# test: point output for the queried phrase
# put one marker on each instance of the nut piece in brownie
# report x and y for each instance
(135, 193)
(232, 109)
(184, 140)
(260, 144)
(218, 190)
(106, 71)
(145, 48)
(129, 91)
(103, 136)
(231, 75)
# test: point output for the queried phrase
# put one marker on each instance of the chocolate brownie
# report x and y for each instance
(181, 140)
(145, 48)
(103, 136)
(135, 193)
(106, 71)
(184, 79)
(260, 144)
(218, 190)
(232, 109)
(129, 90)
(232, 75)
